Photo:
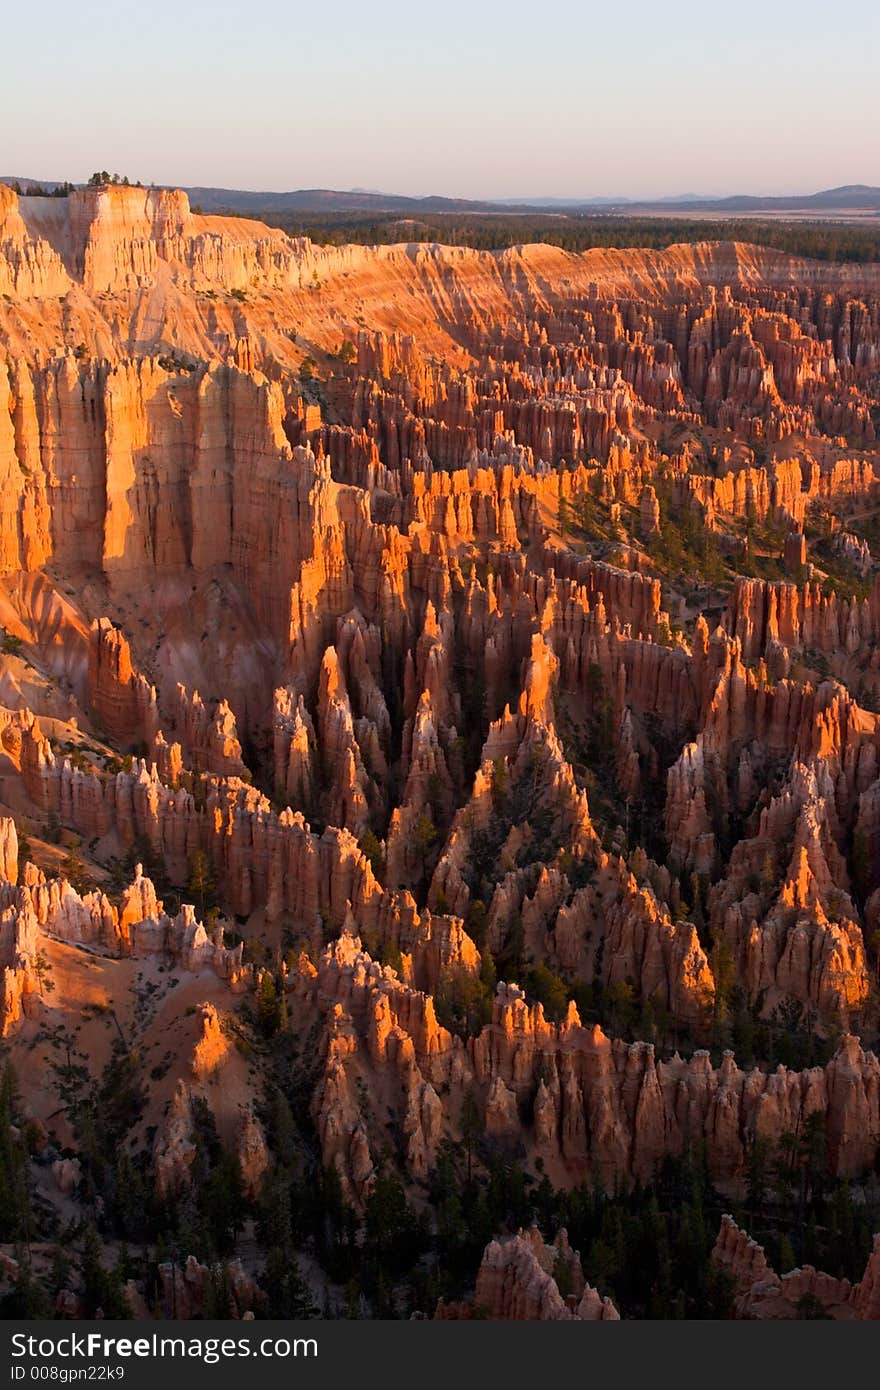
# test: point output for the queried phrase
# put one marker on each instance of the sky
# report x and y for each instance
(475, 100)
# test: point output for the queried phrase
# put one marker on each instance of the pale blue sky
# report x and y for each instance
(476, 99)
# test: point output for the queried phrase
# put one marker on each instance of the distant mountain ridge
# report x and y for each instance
(854, 197)
(857, 197)
(240, 200)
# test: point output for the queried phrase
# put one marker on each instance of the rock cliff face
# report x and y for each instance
(455, 676)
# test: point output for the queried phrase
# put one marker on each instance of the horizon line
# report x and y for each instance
(523, 200)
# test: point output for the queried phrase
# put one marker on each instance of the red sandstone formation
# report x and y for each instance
(600, 1107)
(517, 1281)
(185, 1291)
(123, 703)
(762, 1294)
(212, 1046)
(413, 684)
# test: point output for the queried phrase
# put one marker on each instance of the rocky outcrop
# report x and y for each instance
(212, 1047)
(600, 1108)
(518, 1280)
(209, 742)
(18, 963)
(137, 927)
(8, 850)
(189, 1290)
(762, 614)
(122, 701)
(760, 1293)
(174, 1148)
(253, 1156)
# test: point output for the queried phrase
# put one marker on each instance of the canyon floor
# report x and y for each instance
(439, 775)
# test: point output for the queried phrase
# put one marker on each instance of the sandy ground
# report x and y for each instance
(93, 1002)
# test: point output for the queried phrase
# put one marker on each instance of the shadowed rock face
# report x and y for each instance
(515, 1282)
(515, 653)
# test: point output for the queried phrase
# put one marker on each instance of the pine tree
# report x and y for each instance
(201, 881)
(471, 1126)
(288, 1293)
(268, 1006)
